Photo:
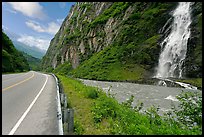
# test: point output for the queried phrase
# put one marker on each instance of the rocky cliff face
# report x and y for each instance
(74, 41)
(84, 32)
(126, 34)
(193, 61)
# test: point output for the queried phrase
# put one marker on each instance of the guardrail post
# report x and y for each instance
(65, 116)
(62, 98)
(70, 121)
(61, 87)
(65, 101)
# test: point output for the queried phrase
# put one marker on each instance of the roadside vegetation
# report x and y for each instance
(96, 112)
(12, 59)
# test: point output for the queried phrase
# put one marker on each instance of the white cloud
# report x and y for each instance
(31, 41)
(4, 27)
(30, 9)
(12, 11)
(35, 26)
(51, 28)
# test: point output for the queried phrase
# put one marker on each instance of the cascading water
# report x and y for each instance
(174, 46)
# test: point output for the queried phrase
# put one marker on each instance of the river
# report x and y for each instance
(148, 94)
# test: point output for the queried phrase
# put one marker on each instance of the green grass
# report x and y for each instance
(81, 101)
(98, 113)
(106, 65)
(63, 69)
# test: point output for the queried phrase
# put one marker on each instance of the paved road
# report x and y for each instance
(148, 94)
(29, 104)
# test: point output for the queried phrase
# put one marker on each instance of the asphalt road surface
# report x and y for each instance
(29, 104)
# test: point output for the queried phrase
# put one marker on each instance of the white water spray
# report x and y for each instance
(174, 46)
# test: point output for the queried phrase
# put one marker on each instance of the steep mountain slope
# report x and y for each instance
(12, 59)
(117, 41)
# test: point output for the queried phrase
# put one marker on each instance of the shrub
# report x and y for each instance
(190, 112)
(104, 107)
(78, 128)
(91, 93)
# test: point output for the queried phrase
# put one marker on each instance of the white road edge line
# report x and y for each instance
(28, 109)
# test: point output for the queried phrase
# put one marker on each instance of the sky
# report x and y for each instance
(35, 23)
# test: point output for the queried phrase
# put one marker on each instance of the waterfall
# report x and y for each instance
(174, 46)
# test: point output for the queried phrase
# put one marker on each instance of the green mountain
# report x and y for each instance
(34, 63)
(119, 41)
(12, 59)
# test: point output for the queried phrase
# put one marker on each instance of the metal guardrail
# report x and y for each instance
(59, 112)
(66, 113)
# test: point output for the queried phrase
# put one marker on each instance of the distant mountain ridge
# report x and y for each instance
(34, 63)
(33, 51)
